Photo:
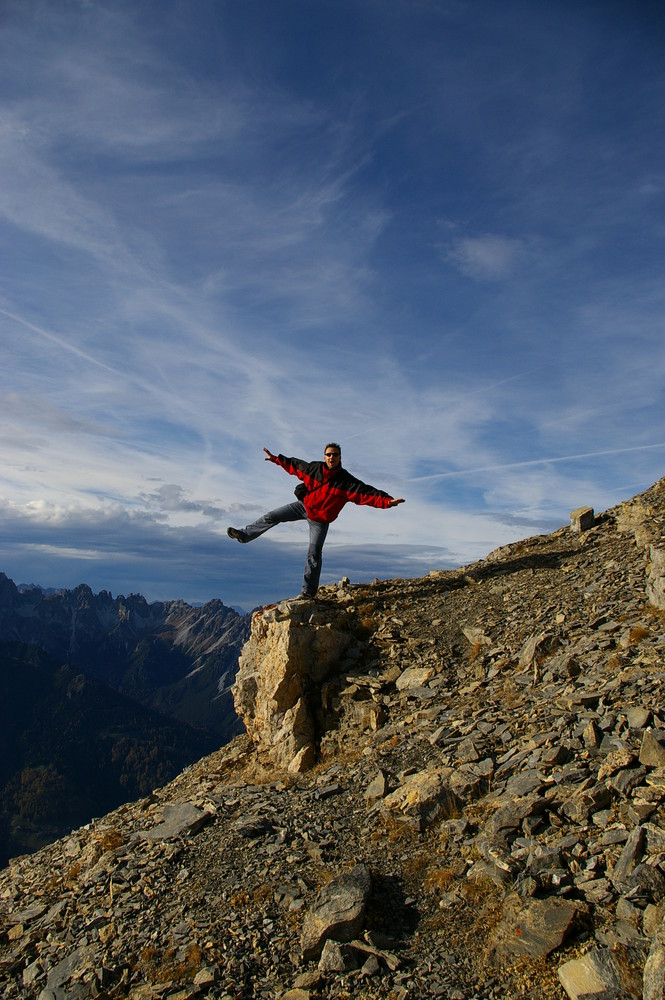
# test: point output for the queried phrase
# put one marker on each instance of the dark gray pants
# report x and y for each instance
(317, 535)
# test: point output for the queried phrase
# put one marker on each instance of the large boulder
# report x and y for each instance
(338, 911)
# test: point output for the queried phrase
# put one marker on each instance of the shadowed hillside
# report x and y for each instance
(71, 748)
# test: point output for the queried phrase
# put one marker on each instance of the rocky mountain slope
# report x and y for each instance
(449, 787)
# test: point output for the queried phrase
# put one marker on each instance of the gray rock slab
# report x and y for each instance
(338, 911)
(27, 914)
(377, 788)
(509, 816)
(179, 820)
(591, 977)
(75, 962)
(524, 782)
(252, 826)
(652, 752)
(650, 879)
(336, 957)
(630, 856)
(654, 971)
(604, 974)
(535, 927)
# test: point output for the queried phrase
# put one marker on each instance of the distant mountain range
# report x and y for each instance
(46, 591)
(103, 699)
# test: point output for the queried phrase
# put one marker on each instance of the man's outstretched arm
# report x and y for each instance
(305, 471)
(393, 503)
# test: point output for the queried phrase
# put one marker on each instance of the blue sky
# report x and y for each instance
(433, 231)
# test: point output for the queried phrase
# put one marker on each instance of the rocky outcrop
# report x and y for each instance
(485, 817)
(656, 578)
(279, 690)
(582, 518)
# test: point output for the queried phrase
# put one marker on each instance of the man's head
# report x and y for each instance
(333, 455)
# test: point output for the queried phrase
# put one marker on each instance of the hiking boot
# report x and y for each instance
(237, 534)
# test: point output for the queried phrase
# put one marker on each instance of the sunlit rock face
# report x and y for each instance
(291, 652)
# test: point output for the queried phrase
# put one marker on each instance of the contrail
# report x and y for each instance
(536, 461)
(493, 385)
(61, 343)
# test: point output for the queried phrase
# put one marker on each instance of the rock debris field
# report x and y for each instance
(450, 786)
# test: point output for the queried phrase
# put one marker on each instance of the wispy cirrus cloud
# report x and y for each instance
(488, 257)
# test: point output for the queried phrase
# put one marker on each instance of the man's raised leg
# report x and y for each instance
(291, 512)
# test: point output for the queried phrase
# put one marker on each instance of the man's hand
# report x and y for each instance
(271, 457)
(393, 503)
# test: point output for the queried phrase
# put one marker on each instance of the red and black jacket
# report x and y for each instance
(328, 490)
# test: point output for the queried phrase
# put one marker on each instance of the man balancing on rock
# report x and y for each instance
(324, 488)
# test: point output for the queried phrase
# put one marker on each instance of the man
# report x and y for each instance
(324, 488)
